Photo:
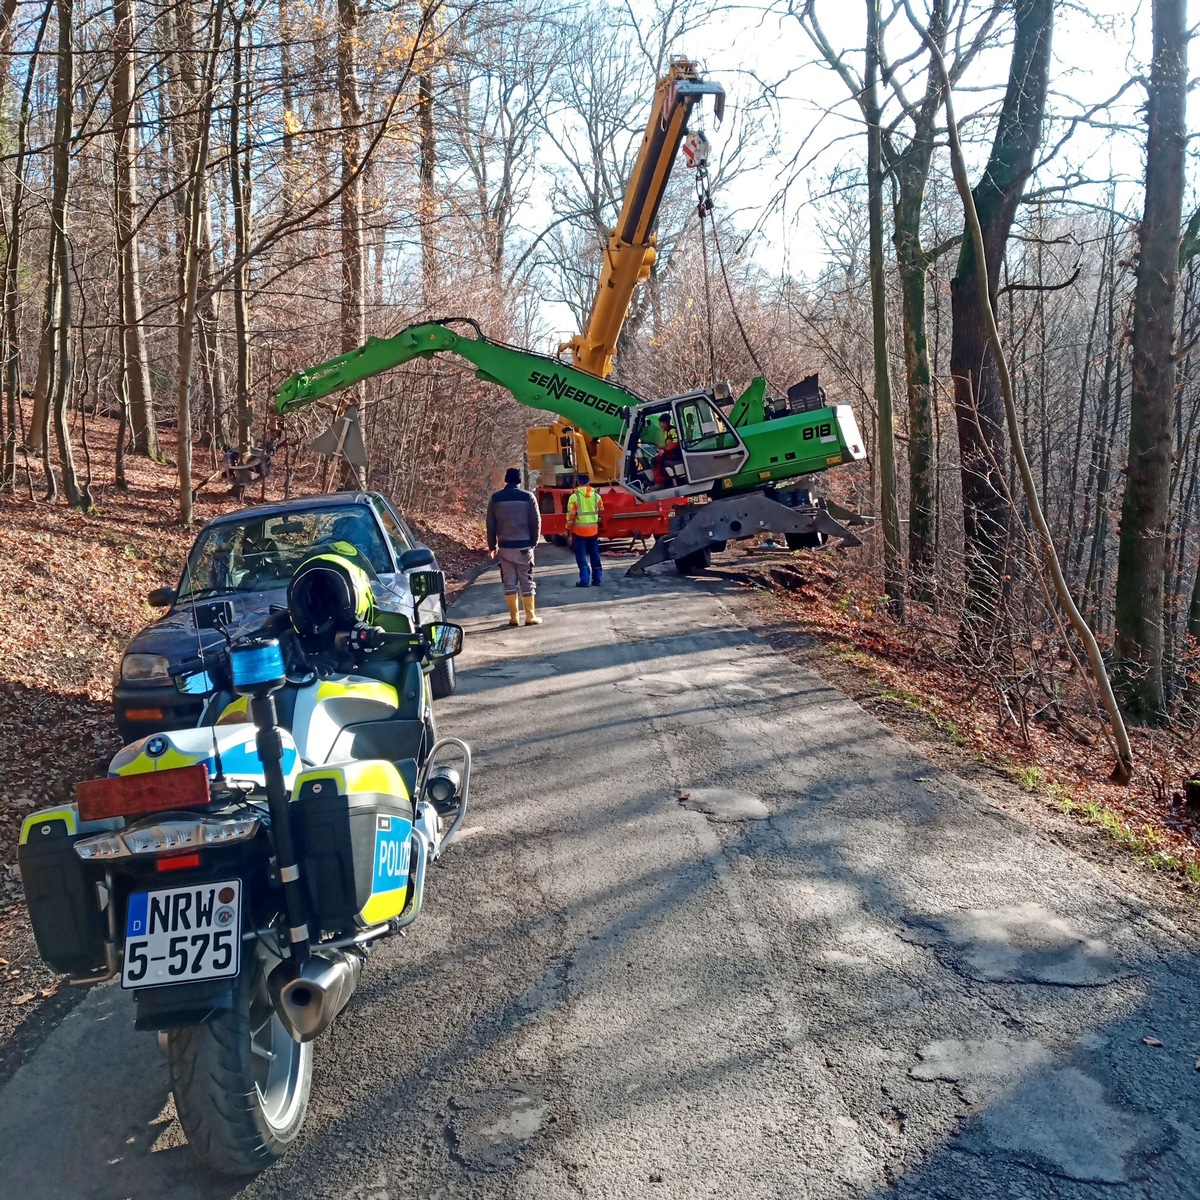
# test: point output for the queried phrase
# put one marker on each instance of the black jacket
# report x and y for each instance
(513, 520)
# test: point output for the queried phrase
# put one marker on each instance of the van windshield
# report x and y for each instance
(257, 554)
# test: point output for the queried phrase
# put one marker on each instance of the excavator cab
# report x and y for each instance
(685, 453)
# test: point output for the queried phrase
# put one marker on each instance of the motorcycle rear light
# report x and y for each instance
(160, 839)
(166, 837)
(178, 862)
(104, 846)
(132, 795)
(215, 832)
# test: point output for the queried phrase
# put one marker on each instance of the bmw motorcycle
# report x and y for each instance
(236, 876)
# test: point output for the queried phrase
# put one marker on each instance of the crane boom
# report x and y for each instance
(632, 244)
(597, 407)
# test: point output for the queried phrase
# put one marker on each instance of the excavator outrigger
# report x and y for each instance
(748, 464)
(561, 451)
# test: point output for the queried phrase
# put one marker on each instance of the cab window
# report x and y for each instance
(702, 427)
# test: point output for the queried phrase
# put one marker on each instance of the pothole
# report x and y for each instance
(490, 1130)
(519, 670)
(984, 1069)
(1062, 1124)
(722, 804)
(1023, 943)
(655, 685)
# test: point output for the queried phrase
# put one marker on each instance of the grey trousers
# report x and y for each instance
(516, 571)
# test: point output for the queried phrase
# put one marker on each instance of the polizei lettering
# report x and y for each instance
(558, 387)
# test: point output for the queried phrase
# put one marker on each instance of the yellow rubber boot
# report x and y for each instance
(511, 601)
(531, 617)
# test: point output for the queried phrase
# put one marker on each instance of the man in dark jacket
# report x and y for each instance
(513, 528)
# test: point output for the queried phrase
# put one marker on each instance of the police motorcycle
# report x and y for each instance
(236, 876)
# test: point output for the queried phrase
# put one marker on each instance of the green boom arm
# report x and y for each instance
(594, 406)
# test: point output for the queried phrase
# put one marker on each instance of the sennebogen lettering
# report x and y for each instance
(560, 388)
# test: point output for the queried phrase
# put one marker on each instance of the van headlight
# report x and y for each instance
(143, 668)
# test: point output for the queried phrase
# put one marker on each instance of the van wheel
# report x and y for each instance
(241, 1084)
(443, 679)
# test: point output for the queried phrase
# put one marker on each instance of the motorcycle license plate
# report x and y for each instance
(183, 934)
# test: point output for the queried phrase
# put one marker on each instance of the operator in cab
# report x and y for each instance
(584, 509)
(669, 453)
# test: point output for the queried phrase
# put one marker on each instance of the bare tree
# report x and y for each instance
(977, 400)
(1144, 516)
(125, 124)
(893, 574)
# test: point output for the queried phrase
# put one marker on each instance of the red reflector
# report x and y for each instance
(143, 714)
(131, 795)
(181, 862)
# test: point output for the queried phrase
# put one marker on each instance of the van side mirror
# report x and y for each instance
(416, 559)
(162, 597)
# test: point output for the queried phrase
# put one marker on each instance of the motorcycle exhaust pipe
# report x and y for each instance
(307, 996)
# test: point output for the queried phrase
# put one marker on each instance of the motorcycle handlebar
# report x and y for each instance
(365, 638)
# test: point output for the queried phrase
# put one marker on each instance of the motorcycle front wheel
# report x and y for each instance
(241, 1084)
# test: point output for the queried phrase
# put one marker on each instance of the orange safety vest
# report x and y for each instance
(583, 512)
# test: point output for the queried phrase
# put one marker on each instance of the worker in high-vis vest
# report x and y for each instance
(584, 509)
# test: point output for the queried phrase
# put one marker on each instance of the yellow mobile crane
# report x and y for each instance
(559, 452)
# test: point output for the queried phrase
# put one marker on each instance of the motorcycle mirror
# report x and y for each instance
(444, 640)
(199, 683)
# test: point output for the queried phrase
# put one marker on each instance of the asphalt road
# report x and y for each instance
(830, 971)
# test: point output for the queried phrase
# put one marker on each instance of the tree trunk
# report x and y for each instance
(910, 263)
(893, 573)
(1138, 648)
(353, 324)
(190, 257)
(978, 404)
(910, 172)
(239, 187)
(1191, 697)
(208, 324)
(428, 205)
(60, 192)
(12, 263)
(40, 418)
(124, 116)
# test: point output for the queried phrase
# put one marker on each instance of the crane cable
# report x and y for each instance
(704, 205)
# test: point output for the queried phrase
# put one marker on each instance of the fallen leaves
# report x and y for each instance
(23, 998)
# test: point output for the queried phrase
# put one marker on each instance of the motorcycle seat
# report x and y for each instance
(392, 739)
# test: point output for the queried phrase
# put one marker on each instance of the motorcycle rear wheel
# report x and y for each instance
(241, 1084)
